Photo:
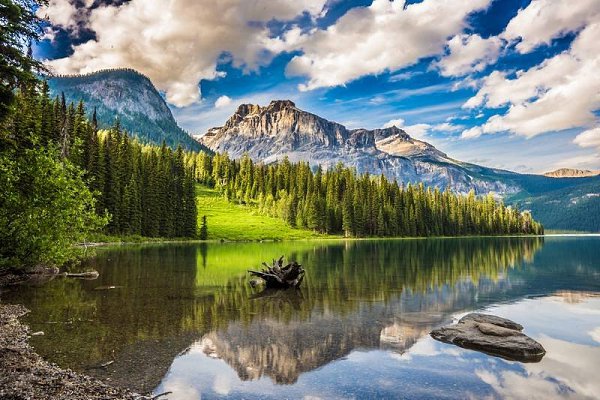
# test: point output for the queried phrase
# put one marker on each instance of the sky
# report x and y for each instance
(511, 84)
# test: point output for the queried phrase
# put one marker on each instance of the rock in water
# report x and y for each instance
(492, 335)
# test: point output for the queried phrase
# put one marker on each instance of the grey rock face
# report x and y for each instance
(129, 96)
(492, 335)
(281, 130)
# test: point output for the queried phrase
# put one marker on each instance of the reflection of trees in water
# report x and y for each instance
(356, 293)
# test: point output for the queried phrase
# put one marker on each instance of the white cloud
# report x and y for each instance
(417, 131)
(469, 53)
(223, 101)
(589, 138)
(544, 20)
(560, 93)
(370, 40)
(61, 13)
(446, 127)
(471, 133)
(176, 43)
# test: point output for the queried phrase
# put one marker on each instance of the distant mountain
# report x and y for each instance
(571, 173)
(282, 130)
(565, 204)
(130, 96)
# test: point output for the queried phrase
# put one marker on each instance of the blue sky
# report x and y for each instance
(503, 83)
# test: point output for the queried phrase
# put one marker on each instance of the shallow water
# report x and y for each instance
(183, 319)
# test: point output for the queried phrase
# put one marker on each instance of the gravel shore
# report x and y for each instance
(25, 375)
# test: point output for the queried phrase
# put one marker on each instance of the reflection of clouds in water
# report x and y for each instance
(568, 370)
(427, 347)
(181, 390)
(595, 334)
(222, 385)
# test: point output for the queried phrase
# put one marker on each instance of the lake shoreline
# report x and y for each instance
(25, 374)
(324, 238)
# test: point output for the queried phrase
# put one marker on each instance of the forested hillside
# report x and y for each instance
(63, 180)
(340, 201)
(129, 96)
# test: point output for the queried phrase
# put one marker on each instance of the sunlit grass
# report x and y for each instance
(229, 221)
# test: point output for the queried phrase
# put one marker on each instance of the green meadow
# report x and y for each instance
(236, 222)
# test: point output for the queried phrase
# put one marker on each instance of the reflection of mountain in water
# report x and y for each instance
(358, 295)
(283, 348)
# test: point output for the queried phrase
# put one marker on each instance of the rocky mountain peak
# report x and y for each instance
(280, 129)
(279, 105)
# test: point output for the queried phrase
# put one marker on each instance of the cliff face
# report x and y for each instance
(129, 96)
(281, 130)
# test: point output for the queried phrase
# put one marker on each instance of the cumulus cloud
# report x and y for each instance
(420, 131)
(417, 130)
(223, 101)
(386, 36)
(65, 14)
(560, 93)
(469, 53)
(544, 20)
(589, 138)
(176, 43)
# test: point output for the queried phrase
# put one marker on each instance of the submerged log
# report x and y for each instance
(278, 276)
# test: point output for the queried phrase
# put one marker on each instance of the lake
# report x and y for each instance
(182, 318)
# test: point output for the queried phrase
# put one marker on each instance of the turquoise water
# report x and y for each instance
(183, 319)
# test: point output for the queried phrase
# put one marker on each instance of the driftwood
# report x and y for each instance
(277, 276)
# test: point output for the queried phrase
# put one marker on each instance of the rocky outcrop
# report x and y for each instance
(281, 130)
(128, 95)
(571, 173)
(492, 335)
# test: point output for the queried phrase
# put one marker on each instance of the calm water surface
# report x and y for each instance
(183, 319)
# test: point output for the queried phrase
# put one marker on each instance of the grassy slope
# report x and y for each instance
(230, 221)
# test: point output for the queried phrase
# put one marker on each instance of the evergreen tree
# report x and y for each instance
(204, 229)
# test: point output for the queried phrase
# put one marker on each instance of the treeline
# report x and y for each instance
(145, 190)
(339, 201)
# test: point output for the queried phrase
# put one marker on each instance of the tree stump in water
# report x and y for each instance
(279, 277)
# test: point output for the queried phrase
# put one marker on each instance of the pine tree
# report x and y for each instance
(204, 229)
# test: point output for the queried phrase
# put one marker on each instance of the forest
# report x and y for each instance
(119, 186)
(339, 201)
(63, 180)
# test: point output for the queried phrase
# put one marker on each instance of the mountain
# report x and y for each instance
(571, 173)
(282, 130)
(130, 96)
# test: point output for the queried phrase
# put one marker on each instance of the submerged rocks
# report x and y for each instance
(492, 335)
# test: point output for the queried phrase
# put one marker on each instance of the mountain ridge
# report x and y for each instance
(280, 129)
(571, 173)
(129, 96)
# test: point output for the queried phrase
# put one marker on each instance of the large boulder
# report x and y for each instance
(492, 335)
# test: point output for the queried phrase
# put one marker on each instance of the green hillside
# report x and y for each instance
(229, 221)
(570, 204)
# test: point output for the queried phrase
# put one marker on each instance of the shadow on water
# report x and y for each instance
(357, 295)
